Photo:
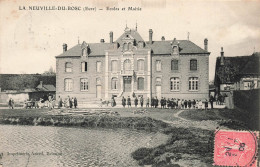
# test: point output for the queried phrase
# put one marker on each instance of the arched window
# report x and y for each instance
(174, 65)
(83, 84)
(98, 81)
(175, 84)
(193, 64)
(114, 65)
(68, 67)
(125, 46)
(140, 65)
(175, 49)
(127, 65)
(193, 83)
(68, 84)
(158, 81)
(114, 82)
(140, 85)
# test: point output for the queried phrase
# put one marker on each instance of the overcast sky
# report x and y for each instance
(30, 40)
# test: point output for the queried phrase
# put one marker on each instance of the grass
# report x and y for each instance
(194, 142)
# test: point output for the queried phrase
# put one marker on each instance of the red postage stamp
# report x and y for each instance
(236, 148)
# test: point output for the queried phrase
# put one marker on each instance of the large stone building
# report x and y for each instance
(166, 68)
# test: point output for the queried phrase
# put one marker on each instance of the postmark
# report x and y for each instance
(236, 148)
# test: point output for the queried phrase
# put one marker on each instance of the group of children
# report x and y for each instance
(170, 103)
(68, 103)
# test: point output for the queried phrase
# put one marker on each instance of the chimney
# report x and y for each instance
(206, 44)
(163, 38)
(40, 84)
(150, 36)
(111, 36)
(222, 57)
(102, 41)
(64, 47)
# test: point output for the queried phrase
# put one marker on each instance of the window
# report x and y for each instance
(193, 83)
(175, 49)
(83, 84)
(175, 84)
(84, 66)
(68, 84)
(174, 65)
(68, 67)
(127, 65)
(114, 65)
(140, 65)
(98, 66)
(125, 46)
(84, 52)
(158, 81)
(158, 65)
(114, 82)
(193, 64)
(140, 83)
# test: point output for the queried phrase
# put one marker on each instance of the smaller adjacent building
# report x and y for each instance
(237, 73)
(21, 87)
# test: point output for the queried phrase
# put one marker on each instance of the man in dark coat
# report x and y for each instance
(75, 102)
(123, 101)
(156, 101)
(136, 101)
(141, 101)
(128, 101)
(211, 100)
(185, 103)
(152, 102)
(70, 101)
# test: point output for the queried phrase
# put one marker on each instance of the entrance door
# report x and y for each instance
(98, 93)
(158, 91)
(127, 84)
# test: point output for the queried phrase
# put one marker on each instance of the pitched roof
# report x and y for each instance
(96, 49)
(24, 81)
(158, 47)
(234, 67)
(132, 33)
(186, 47)
(46, 88)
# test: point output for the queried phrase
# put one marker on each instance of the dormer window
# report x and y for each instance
(84, 52)
(175, 49)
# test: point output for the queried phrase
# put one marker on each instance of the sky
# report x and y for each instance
(30, 39)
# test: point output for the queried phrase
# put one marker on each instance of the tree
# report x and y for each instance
(51, 71)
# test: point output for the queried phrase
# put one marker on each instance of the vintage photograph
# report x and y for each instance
(128, 83)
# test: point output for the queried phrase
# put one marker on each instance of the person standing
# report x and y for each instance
(136, 101)
(211, 100)
(200, 105)
(128, 101)
(206, 104)
(189, 104)
(123, 101)
(185, 103)
(70, 102)
(142, 101)
(152, 102)
(162, 103)
(194, 104)
(75, 102)
(156, 102)
(147, 102)
(59, 102)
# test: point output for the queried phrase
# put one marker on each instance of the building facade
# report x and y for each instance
(130, 65)
(237, 73)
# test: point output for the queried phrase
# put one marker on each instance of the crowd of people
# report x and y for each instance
(68, 102)
(172, 103)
